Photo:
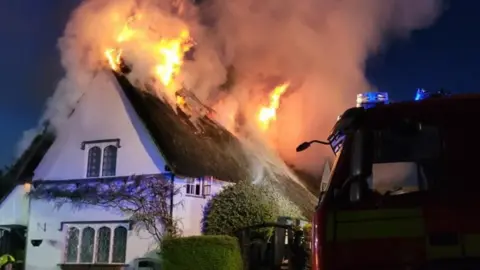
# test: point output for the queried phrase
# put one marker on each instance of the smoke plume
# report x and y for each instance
(319, 46)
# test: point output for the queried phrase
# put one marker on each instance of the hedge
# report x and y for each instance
(207, 252)
(236, 207)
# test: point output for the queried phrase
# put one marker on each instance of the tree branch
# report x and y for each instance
(145, 198)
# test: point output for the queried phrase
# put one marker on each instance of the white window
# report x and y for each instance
(96, 243)
(199, 186)
(101, 160)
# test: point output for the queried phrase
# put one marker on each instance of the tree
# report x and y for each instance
(145, 198)
(238, 206)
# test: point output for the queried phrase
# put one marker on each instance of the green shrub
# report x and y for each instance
(208, 252)
(238, 206)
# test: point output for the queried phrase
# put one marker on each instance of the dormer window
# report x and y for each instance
(101, 157)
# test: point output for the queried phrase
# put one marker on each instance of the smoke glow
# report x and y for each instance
(318, 46)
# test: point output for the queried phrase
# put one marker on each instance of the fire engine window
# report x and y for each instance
(394, 146)
(395, 178)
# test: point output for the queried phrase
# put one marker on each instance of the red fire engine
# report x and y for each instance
(403, 191)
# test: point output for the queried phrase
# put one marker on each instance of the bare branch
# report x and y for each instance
(145, 198)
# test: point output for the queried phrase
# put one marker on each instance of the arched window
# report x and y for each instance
(119, 245)
(72, 244)
(109, 165)
(103, 244)
(86, 246)
(93, 164)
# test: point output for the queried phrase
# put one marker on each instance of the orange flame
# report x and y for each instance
(113, 57)
(267, 114)
(172, 52)
(180, 100)
(168, 52)
(127, 32)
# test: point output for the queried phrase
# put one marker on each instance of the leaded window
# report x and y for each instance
(96, 243)
(109, 164)
(119, 244)
(72, 244)
(86, 246)
(103, 244)
(93, 164)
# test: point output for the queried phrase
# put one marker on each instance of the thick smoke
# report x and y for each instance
(320, 46)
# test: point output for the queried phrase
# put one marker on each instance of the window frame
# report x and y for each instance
(205, 186)
(97, 164)
(113, 158)
(102, 147)
(418, 146)
(96, 227)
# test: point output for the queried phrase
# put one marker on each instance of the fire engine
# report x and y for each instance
(403, 191)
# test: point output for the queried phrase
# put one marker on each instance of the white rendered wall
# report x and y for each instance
(102, 113)
(14, 207)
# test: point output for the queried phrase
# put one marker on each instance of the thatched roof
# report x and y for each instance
(213, 151)
(206, 149)
(191, 152)
(22, 170)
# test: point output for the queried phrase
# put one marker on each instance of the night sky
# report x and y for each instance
(443, 56)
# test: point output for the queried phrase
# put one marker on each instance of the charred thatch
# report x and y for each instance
(204, 148)
(209, 150)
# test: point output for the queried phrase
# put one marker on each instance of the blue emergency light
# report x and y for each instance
(371, 99)
(421, 94)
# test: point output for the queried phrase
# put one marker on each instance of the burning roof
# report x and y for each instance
(186, 131)
(208, 151)
(201, 149)
(176, 87)
(316, 64)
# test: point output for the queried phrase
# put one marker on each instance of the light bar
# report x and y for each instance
(421, 94)
(371, 99)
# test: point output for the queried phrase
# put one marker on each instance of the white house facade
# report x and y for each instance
(103, 138)
(14, 207)
(118, 133)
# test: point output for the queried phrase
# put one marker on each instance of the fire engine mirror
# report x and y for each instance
(355, 191)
